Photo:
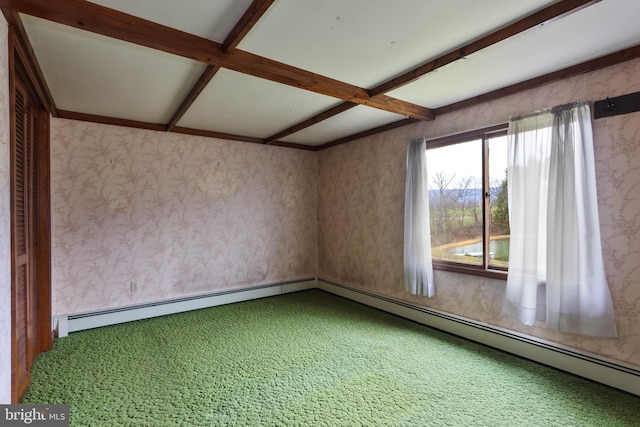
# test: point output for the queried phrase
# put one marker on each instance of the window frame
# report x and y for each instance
(483, 134)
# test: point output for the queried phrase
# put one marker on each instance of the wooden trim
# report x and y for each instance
(112, 23)
(94, 118)
(293, 145)
(469, 269)
(379, 129)
(541, 17)
(250, 18)
(443, 141)
(30, 62)
(45, 328)
(341, 108)
(575, 70)
(218, 135)
(15, 393)
(197, 89)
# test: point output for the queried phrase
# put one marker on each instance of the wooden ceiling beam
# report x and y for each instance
(341, 108)
(366, 133)
(541, 17)
(112, 23)
(115, 121)
(585, 67)
(193, 94)
(548, 14)
(575, 70)
(251, 16)
(218, 135)
(563, 74)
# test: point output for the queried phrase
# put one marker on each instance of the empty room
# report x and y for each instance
(340, 212)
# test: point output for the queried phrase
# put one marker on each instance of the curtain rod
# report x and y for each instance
(555, 109)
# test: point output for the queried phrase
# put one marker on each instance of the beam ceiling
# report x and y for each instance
(541, 17)
(118, 25)
(111, 23)
(252, 15)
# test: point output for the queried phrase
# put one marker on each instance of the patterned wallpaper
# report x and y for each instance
(361, 196)
(5, 222)
(177, 214)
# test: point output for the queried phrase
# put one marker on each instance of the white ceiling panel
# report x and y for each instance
(587, 34)
(367, 42)
(355, 120)
(243, 105)
(93, 74)
(360, 43)
(212, 20)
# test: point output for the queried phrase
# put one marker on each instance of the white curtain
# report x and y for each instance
(556, 272)
(418, 269)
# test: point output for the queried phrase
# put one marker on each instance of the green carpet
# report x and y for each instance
(308, 359)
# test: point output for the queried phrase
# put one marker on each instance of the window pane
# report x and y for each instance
(499, 224)
(455, 202)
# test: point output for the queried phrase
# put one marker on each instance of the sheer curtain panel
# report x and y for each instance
(556, 271)
(418, 269)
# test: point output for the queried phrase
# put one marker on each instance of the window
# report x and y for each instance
(468, 203)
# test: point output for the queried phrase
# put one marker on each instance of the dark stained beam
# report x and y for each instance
(370, 132)
(112, 23)
(252, 15)
(541, 17)
(250, 18)
(218, 135)
(595, 64)
(341, 108)
(575, 70)
(94, 118)
(585, 67)
(293, 145)
(196, 90)
(551, 13)
(30, 62)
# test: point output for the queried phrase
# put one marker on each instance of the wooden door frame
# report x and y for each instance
(19, 67)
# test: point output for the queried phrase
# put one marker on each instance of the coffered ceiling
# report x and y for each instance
(307, 73)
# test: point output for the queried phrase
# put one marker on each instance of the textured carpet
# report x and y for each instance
(308, 359)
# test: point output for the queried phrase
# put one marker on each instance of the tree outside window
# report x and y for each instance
(468, 201)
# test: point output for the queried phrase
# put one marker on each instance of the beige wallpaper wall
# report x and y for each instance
(361, 196)
(179, 215)
(5, 222)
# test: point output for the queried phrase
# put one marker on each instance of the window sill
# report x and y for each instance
(470, 269)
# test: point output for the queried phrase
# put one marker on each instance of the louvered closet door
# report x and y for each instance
(24, 286)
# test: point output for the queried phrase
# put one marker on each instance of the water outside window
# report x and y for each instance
(456, 202)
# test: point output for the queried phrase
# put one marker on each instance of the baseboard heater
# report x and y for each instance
(66, 324)
(588, 365)
(611, 372)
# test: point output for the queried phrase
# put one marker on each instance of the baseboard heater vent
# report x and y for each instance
(592, 366)
(77, 322)
(607, 371)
